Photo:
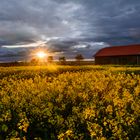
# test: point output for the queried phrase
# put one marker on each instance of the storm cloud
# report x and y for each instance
(68, 25)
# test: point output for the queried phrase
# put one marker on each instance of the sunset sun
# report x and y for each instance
(41, 54)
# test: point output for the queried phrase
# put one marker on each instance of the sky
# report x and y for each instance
(66, 27)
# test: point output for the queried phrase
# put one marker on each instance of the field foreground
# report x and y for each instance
(70, 102)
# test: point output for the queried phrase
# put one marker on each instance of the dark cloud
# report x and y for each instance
(69, 23)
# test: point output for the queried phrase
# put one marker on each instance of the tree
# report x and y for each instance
(34, 61)
(62, 59)
(79, 57)
(50, 59)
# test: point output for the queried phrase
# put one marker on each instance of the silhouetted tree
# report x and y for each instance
(62, 59)
(34, 61)
(79, 57)
(50, 59)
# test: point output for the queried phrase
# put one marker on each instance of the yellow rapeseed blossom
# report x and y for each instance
(70, 102)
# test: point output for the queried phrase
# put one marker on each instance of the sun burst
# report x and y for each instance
(41, 54)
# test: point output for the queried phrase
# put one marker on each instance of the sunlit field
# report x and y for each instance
(69, 102)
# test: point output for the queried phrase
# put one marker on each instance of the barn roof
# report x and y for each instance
(119, 51)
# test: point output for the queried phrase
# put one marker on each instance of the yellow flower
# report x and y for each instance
(109, 109)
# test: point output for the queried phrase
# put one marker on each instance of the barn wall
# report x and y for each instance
(120, 60)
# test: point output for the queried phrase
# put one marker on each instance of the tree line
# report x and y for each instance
(50, 59)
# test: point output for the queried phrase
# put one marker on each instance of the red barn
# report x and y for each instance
(119, 55)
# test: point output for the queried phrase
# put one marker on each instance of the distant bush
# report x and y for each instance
(79, 57)
(50, 59)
